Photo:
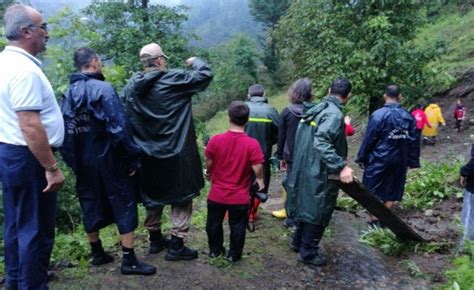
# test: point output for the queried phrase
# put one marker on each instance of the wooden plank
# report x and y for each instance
(358, 192)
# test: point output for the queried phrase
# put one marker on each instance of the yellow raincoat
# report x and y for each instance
(435, 117)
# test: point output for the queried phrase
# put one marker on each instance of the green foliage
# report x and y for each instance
(391, 245)
(452, 35)
(412, 268)
(370, 42)
(348, 203)
(119, 30)
(461, 276)
(268, 12)
(68, 213)
(431, 183)
(235, 68)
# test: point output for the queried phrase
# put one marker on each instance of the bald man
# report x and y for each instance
(31, 127)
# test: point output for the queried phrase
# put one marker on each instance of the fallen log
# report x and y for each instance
(359, 193)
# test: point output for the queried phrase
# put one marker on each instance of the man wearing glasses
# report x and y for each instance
(158, 103)
(31, 127)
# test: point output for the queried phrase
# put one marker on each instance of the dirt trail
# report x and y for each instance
(268, 263)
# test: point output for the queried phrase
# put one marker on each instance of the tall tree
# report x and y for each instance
(268, 13)
(368, 41)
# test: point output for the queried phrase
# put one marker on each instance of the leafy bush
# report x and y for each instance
(348, 203)
(462, 275)
(68, 214)
(391, 245)
(430, 183)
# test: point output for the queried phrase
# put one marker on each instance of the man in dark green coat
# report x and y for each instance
(263, 126)
(320, 151)
(158, 103)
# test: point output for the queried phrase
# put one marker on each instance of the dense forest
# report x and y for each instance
(426, 47)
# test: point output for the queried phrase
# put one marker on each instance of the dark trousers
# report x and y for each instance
(307, 237)
(238, 219)
(29, 218)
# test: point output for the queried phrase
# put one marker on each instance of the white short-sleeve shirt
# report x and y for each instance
(24, 87)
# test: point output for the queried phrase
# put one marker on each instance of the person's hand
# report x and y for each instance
(190, 60)
(463, 181)
(347, 120)
(260, 183)
(55, 181)
(347, 175)
(283, 165)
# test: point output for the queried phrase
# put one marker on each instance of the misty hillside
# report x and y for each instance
(213, 21)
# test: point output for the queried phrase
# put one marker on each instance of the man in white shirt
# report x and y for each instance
(31, 126)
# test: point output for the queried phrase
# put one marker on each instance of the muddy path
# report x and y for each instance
(267, 262)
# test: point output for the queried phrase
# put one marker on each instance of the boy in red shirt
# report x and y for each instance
(230, 158)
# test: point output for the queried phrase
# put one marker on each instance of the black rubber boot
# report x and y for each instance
(318, 260)
(99, 256)
(157, 242)
(217, 254)
(177, 251)
(132, 266)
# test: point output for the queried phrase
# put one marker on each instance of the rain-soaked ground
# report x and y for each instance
(267, 262)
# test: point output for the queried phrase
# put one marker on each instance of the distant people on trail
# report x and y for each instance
(459, 114)
(31, 127)
(158, 103)
(320, 150)
(231, 157)
(98, 146)
(467, 213)
(435, 117)
(388, 150)
(421, 120)
(299, 92)
(263, 126)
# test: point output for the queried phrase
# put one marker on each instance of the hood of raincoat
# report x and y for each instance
(296, 110)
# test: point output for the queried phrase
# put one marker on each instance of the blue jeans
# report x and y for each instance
(29, 218)
(467, 215)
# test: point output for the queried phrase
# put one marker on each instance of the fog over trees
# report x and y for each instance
(213, 21)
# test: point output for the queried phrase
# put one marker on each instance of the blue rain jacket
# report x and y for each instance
(98, 146)
(390, 146)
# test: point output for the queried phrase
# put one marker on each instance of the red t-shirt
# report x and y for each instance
(232, 155)
(420, 118)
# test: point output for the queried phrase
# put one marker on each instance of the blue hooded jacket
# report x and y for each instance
(95, 124)
(389, 148)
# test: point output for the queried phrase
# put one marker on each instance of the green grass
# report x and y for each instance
(391, 245)
(453, 32)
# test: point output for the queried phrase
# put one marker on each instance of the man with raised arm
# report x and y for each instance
(31, 128)
(158, 103)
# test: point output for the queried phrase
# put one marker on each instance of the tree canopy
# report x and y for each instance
(370, 42)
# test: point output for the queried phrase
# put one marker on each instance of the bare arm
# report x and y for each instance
(258, 170)
(208, 168)
(37, 141)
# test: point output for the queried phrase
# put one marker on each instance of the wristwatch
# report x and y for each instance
(52, 168)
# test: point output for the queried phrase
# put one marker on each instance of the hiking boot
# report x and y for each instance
(294, 247)
(217, 254)
(132, 266)
(279, 214)
(137, 268)
(99, 256)
(233, 258)
(177, 251)
(317, 260)
(157, 242)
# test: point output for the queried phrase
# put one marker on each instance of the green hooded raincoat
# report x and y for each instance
(320, 151)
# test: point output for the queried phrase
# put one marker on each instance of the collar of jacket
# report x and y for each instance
(333, 99)
(85, 76)
(392, 105)
(258, 99)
